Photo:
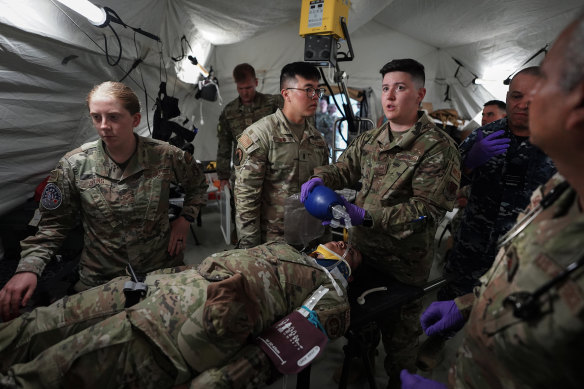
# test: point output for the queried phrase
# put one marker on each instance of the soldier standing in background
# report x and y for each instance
(119, 186)
(276, 155)
(493, 110)
(410, 172)
(239, 114)
(502, 169)
(242, 112)
(191, 323)
(525, 327)
(325, 121)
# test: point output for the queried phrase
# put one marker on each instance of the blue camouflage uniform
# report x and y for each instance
(499, 191)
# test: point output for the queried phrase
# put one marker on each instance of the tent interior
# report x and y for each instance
(52, 57)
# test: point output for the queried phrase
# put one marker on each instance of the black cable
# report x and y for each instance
(117, 61)
(182, 50)
(344, 117)
(332, 93)
(137, 62)
(460, 65)
(341, 135)
(162, 65)
(543, 49)
(95, 43)
(144, 85)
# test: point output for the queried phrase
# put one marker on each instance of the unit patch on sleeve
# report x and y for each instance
(51, 197)
(238, 156)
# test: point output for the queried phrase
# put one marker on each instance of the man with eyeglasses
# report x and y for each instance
(276, 155)
(410, 172)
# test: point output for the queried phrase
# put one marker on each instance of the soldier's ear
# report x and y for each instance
(285, 94)
(575, 119)
(136, 119)
(421, 95)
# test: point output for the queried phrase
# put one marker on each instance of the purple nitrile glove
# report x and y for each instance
(356, 213)
(308, 186)
(442, 318)
(486, 148)
(414, 381)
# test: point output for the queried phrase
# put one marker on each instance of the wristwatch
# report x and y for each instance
(189, 218)
(367, 220)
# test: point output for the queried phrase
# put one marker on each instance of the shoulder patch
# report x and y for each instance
(51, 198)
(238, 156)
(245, 141)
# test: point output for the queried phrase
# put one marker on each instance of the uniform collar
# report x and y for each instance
(254, 104)
(105, 166)
(406, 138)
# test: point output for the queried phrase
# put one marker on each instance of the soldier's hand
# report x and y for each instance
(223, 183)
(414, 381)
(486, 148)
(308, 186)
(442, 318)
(178, 236)
(356, 213)
(16, 293)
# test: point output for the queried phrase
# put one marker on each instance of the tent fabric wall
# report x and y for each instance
(43, 113)
(374, 44)
(51, 57)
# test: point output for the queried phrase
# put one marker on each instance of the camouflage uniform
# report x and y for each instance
(190, 321)
(324, 123)
(502, 351)
(499, 190)
(405, 177)
(235, 118)
(271, 165)
(124, 213)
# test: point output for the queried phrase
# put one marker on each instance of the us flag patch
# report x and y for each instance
(245, 141)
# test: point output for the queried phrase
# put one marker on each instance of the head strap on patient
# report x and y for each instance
(332, 260)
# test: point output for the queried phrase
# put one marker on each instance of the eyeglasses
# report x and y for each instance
(310, 91)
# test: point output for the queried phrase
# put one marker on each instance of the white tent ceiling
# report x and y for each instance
(50, 57)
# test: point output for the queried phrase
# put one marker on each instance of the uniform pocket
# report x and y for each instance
(393, 184)
(153, 194)
(94, 202)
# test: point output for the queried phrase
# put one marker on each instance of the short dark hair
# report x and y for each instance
(302, 69)
(243, 71)
(532, 71)
(407, 65)
(502, 106)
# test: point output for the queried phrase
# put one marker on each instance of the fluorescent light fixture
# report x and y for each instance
(101, 16)
(96, 15)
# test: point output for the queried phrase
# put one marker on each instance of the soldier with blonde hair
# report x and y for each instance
(119, 186)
